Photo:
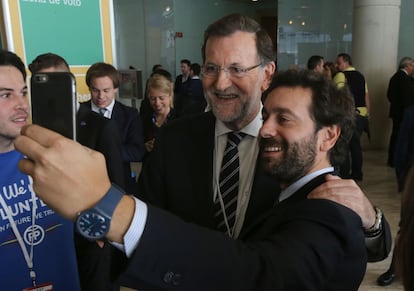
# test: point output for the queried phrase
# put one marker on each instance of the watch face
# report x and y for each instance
(92, 225)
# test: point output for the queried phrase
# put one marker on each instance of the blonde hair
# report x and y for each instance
(160, 82)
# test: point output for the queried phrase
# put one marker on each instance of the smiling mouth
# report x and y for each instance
(272, 149)
(20, 119)
(226, 96)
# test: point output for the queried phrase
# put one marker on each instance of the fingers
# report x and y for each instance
(27, 166)
(34, 140)
(40, 134)
(30, 148)
(335, 186)
(330, 177)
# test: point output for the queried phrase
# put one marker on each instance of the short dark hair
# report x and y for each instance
(185, 61)
(330, 105)
(156, 67)
(162, 72)
(196, 68)
(47, 60)
(8, 58)
(235, 22)
(346, 58)
(314, 61)
(99, 70)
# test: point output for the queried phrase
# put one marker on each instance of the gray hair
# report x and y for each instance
(405, 61)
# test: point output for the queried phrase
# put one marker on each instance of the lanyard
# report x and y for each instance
(28, 257)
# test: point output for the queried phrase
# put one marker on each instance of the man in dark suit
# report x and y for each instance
(182, 174)
(196, 102)
(400, 85)
(400, 151)
(100, 134)
(181, 84)
(182, 80)
(298, 244)
(103, 82)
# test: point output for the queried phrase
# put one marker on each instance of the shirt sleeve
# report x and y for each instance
(339, 79)
(135, 230)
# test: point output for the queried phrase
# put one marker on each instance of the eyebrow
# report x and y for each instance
(11, 90)
(279, 110)
(94, 88)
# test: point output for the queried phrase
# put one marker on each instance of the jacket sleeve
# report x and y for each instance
(302, 252)
(133, 148)
(379, 246)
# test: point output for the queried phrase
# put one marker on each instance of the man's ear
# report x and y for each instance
(269, 71)
(328, 137)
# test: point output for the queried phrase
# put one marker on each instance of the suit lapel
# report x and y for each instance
(300, 194)
(264, 194)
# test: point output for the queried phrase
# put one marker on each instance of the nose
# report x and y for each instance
(223, 80)
(268, 129)
(157, 101)
(22, 102)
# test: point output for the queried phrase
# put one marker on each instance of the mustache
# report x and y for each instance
(19, 112)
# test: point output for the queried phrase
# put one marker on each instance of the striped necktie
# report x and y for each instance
(102, 111)
(229, 184)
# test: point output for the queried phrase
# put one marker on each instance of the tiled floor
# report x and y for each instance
(379, 185)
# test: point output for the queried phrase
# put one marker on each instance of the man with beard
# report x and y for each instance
(299, 244)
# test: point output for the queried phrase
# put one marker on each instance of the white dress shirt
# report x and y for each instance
(248, 153)
(109, 109)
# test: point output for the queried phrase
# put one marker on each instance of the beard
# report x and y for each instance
(295, 162)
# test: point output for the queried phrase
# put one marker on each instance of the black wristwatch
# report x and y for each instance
(93, 223)
(377, 227)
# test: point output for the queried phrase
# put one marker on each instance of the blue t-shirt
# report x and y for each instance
(54, 258)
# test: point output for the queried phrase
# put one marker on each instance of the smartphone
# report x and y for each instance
(53, 99)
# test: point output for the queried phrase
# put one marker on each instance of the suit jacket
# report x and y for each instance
(181, 87)
(131, 136)
(178, 174)
(300, 244)
(400, 89)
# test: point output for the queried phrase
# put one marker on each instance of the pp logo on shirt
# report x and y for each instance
(34, 234)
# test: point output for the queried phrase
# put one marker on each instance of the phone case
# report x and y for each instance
(53, 99)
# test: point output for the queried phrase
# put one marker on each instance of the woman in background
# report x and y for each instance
(160, 92)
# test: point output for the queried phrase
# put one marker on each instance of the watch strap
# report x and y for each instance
(106, 206)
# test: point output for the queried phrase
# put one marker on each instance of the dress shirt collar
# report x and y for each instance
(289, 191)
(109, 108)
(251, 129)
(404, 71)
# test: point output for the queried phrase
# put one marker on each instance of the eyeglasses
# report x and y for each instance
(212, 71)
